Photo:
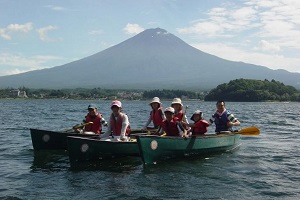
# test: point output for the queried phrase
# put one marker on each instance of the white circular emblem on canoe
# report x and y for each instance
(153, 145)
(84, 148)
(46, 138)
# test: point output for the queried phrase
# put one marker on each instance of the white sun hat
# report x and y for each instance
(155, 100)
(176, 101)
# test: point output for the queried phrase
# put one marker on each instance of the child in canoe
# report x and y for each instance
(179, 113)
(118, 124)
(93, 120)
(171, 126)
(156, 115)
(200, 126)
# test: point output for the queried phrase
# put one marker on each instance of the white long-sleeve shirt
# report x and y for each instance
(125, 124)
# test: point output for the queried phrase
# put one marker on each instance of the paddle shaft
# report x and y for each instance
(78, 126)
(184, 113)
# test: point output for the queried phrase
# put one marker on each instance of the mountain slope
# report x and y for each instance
(153, 59)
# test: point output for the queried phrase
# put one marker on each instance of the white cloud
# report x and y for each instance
(271, 29)
(133, 29)
(96, 32)
(267, 46)
(272, 61)
(14, 28)
(44, 31)
(203, 28)
(56, 8)
(16, 63)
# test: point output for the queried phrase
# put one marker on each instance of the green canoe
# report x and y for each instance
(155, 148)
(91, 149)
(52, 140)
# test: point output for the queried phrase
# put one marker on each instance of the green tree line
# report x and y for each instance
(99, 93)
(254, 91)
(235, 90)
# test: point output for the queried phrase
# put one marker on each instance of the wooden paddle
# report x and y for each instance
(249, 131)
(78, 126)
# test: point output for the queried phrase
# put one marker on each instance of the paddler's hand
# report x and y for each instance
(77, 130)
(185, 135)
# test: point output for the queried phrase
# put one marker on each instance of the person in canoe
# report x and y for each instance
(223, 119)
(96, 119)
(118, 124)
(156, 115)
(177, 105)
(200, 125)
(171, 126)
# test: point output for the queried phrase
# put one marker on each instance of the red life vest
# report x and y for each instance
(156, 117)
(179, 115)
(170, 127)
(116, 125)
(96, 127)
(201, 127)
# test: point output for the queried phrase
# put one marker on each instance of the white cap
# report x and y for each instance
(197, 112)
(170, 109)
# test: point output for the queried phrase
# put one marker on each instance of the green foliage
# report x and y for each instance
(99, 93)
(253, 90)
(169, 94)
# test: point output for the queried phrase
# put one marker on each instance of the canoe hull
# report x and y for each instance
(51, 140)
(155, 148)
(88, 149)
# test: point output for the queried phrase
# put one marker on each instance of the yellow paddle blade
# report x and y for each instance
(249, 131)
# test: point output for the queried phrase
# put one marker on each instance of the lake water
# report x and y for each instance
(264, 167)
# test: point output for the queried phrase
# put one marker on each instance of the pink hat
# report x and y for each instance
(116, 103)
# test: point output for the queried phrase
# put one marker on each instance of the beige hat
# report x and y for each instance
(155, 100)
(176, 101)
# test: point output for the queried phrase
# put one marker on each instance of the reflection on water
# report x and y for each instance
(264, 167)
(49, 160)
(52, 160)
(121, 164)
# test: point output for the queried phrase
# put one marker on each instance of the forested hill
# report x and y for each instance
(254, 91)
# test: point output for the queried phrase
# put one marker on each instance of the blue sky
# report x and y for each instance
(42, 34)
